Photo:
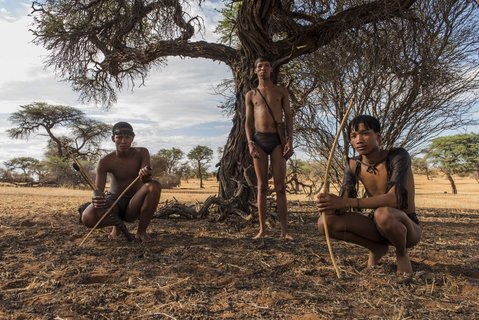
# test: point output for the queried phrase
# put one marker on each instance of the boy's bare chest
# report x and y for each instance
(375, 180)
(125, 168)
(272, 100)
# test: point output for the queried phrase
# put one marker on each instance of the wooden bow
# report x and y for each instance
(110, 208)
(325, 188)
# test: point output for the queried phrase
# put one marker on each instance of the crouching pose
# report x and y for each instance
(388, 181)
(123, 166)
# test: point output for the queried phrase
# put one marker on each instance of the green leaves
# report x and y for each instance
(455, 154)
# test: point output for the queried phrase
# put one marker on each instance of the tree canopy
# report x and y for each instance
(25, 164)
(456, 154)
(200, 157)
(172, 157)
(84, 135)
(100, 45)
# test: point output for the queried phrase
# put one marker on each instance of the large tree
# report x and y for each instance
(84, 137)
(99, 46)
(456, 154)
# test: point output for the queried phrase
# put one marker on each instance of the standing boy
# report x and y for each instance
(265, 106)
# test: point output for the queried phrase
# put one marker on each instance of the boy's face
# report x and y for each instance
(364, 140)
(122, 141)
(263, 69)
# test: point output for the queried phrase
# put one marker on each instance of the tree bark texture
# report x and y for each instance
(451, 181)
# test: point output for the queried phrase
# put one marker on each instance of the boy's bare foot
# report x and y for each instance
(115, 233)
(143, 236)
(376, 255)
(287, 236)
(403, 264)
(260, 234)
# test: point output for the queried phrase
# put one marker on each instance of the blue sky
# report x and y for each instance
(176, 107)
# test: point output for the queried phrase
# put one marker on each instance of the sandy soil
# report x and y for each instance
(202, 269)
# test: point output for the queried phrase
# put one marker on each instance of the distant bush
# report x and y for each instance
(169, 181)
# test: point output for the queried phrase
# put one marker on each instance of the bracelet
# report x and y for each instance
(251, 141)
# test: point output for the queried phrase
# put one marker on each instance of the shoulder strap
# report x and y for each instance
(267, 105)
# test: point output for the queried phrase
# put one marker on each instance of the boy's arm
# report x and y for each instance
(288, 116)
(399, 165)
(394, 197)
(330, 202)
(101, 173)
(249, 124)
(145, 167)
(98, 199)
(384, 200)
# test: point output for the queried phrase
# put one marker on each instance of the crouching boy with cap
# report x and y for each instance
(123, 166)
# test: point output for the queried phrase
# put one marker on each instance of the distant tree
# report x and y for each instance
(420, 166)
(85, 135)
(296, 177)
(40, 170)
(25, 165)
(169, 181)
(456, 154)
(172, 158)
(200, 156)
(159, 165)
(184, 171)
(60, 171)
(6, 176)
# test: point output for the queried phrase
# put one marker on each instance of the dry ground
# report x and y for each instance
(202, 269)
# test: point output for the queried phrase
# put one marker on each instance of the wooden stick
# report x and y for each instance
(325, 188)
(83, 173)
(110, 208)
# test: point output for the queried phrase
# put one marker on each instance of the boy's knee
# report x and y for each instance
(81, 209)
(383, 217)
(329, 224)
(88, 220)
(153, 186)
(320, 225)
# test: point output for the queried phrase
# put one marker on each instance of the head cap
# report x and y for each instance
(122, 128)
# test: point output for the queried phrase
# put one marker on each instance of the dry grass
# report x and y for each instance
(190, 191)
(429, 194)
(203, 269)
(437, 193)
